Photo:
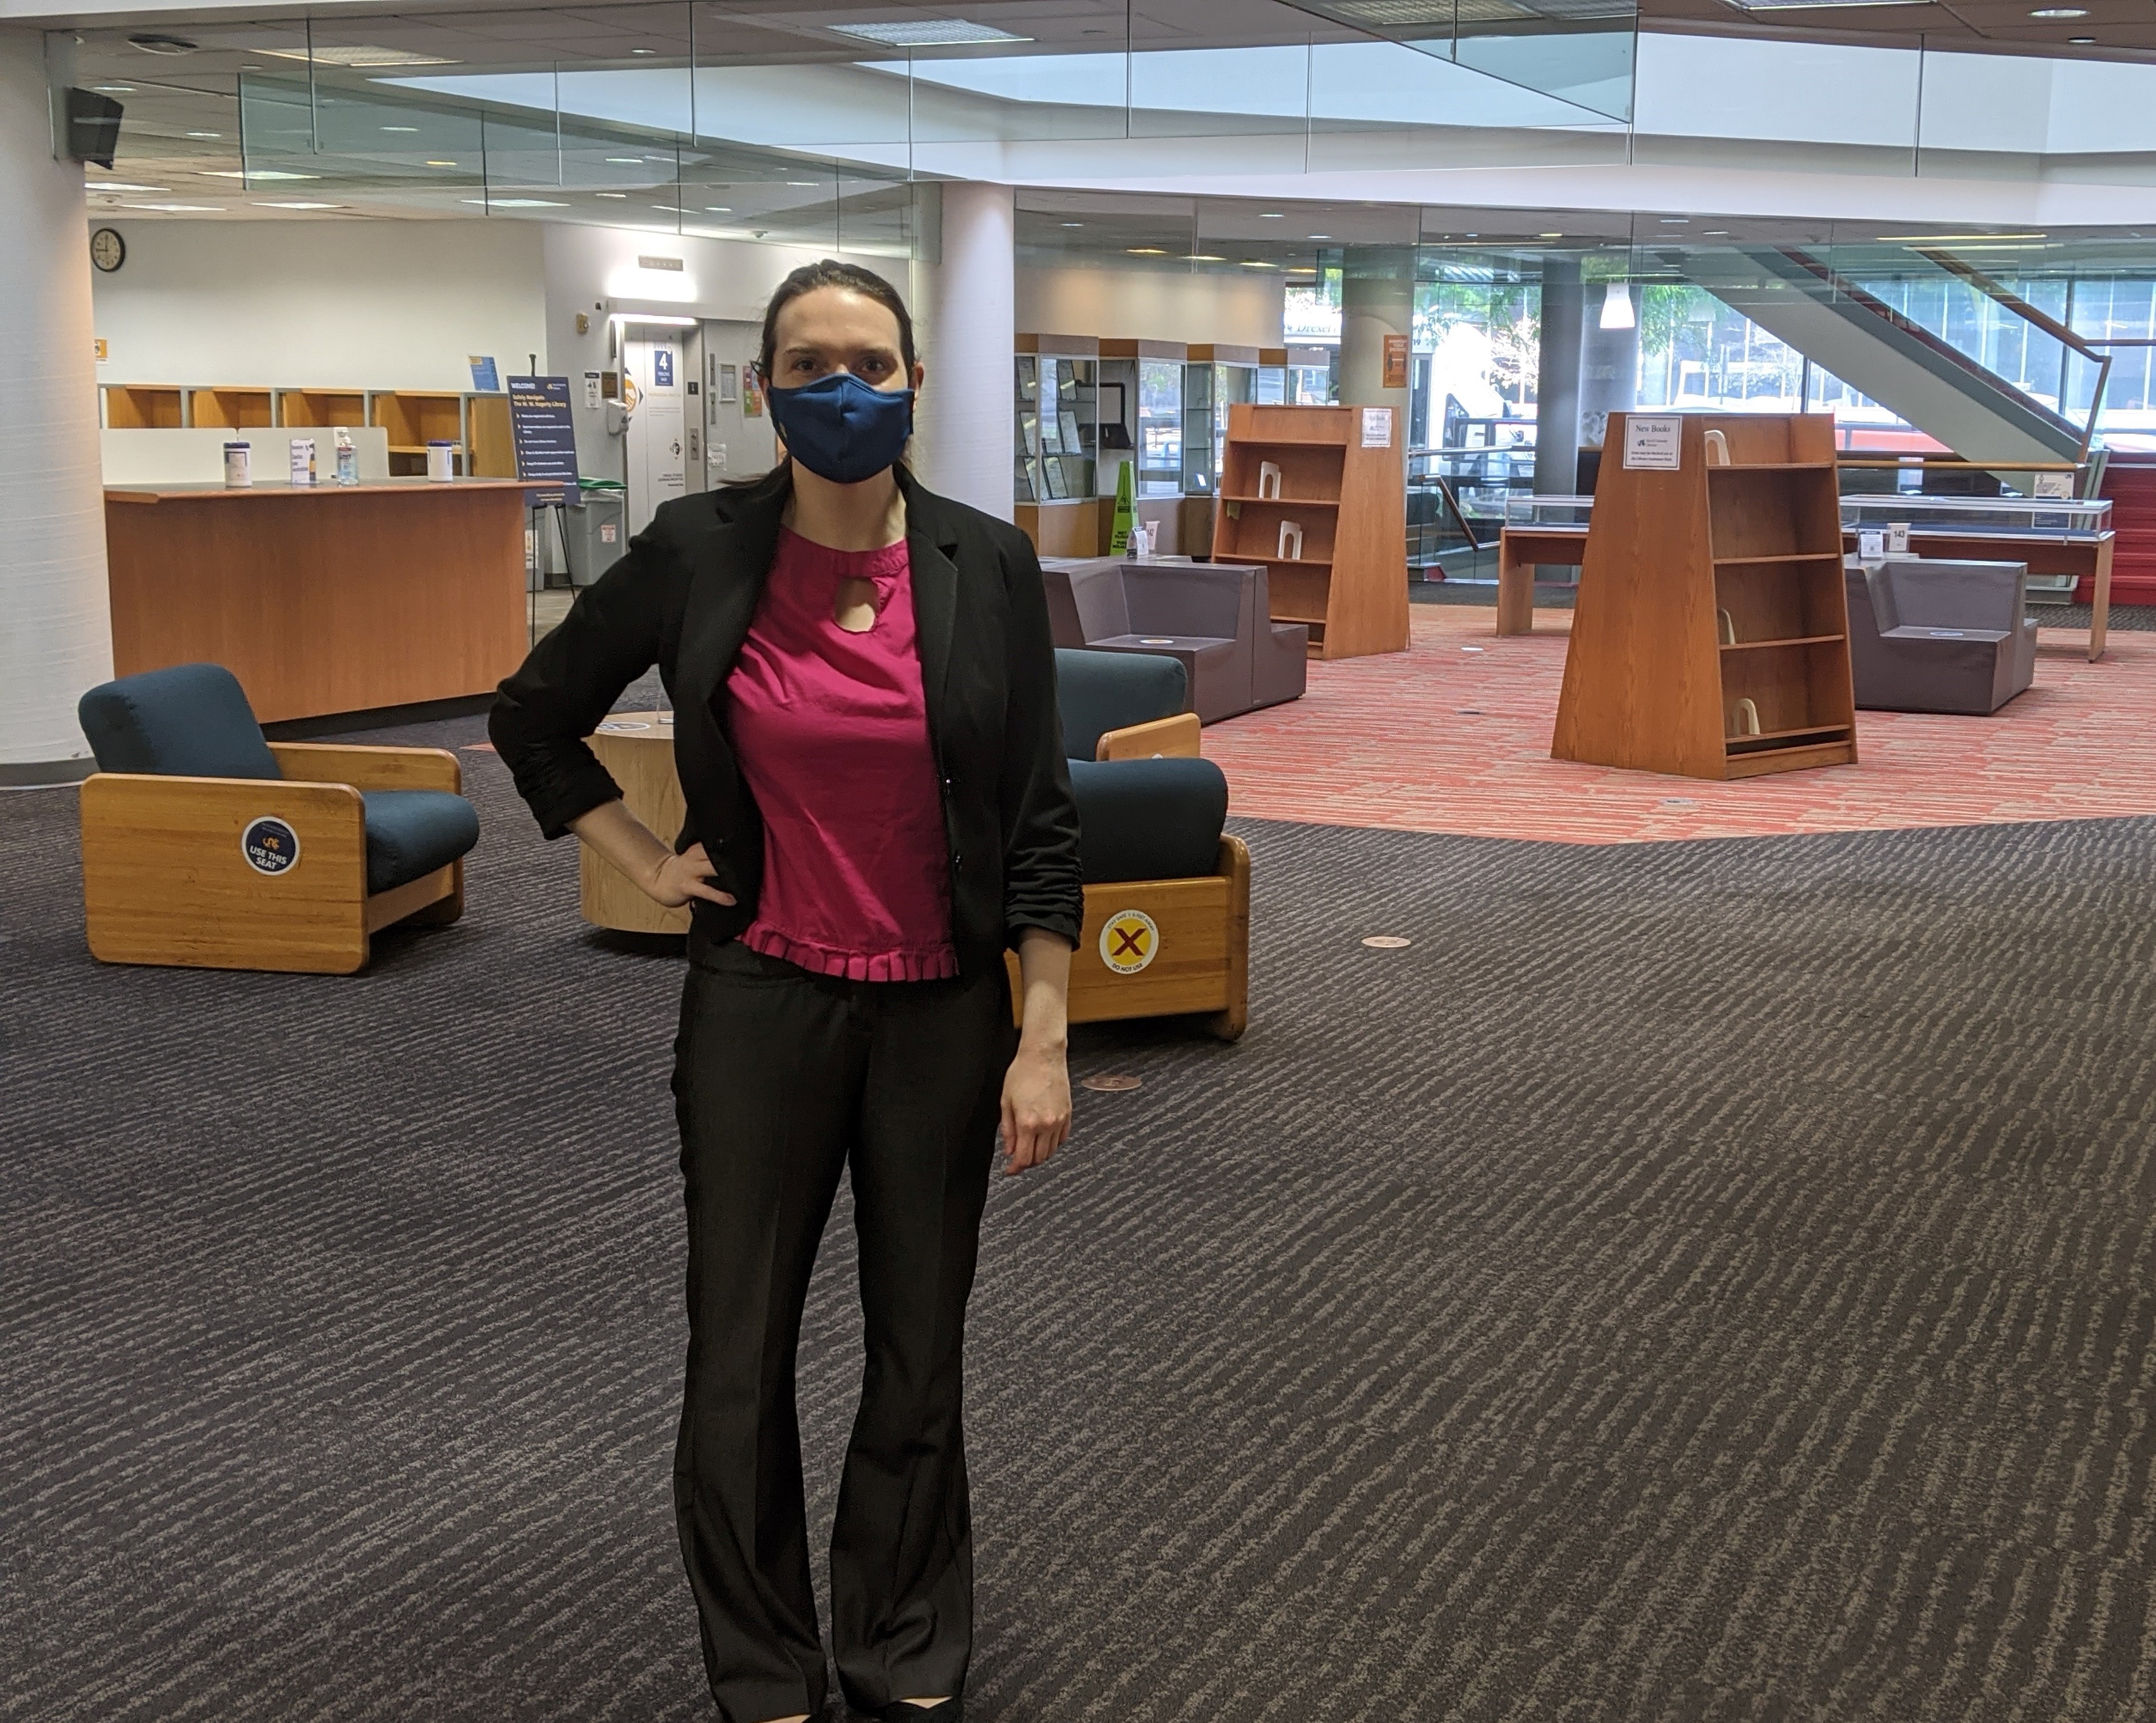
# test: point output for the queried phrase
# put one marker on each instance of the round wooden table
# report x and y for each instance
(637, 748)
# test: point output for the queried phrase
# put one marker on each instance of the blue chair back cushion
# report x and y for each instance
(1148, 819)
(189, 720)
(1097, 691)
(411, 832)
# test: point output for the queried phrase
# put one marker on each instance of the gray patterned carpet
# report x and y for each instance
(1691, 1282)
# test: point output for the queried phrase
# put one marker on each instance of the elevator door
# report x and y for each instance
(658, 433)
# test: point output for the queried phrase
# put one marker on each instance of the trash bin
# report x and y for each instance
(596, 528)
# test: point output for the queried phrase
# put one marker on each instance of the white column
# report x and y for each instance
(967, 330)
(1377, 299)
(56, 639)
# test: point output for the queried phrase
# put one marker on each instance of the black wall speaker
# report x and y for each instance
(93, 133)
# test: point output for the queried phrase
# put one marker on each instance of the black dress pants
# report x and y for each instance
(782, 1080)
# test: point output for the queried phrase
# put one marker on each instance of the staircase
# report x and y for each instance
(2132, 488)
(1913, 370)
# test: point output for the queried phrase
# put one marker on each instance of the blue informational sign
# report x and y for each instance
(545, 436)
(484, 378)
(662, 368)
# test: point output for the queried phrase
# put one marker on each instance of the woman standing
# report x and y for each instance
(878, 807)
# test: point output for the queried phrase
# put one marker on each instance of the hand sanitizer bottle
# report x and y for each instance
(348, 457)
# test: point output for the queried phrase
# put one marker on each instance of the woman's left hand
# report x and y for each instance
(1036, 1105)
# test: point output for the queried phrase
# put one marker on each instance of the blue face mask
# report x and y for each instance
(841, 428)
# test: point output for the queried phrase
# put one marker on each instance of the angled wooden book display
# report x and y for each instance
(1300, 493)
(1711, 634)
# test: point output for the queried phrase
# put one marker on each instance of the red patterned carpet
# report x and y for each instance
(1454, 737)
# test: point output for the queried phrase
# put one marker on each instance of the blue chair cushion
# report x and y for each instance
(1148, 819)
(411, 832)
(189, 720)
(1097, 691)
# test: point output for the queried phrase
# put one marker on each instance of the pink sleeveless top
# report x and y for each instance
(831, 730)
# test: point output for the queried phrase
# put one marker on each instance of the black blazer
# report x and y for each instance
(683, 596)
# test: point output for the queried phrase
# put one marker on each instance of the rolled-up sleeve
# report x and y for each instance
(543, 713)
(1044, 885)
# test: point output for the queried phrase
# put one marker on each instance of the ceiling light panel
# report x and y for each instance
(926, 32)
(356, 56)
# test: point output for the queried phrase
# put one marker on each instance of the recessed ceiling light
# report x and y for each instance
(626, 160)
(400, 128)
(1947, 238)
(1202, 257)
(1676, 221)
(641, 52)
(441, 164)
(1254, 263)
(611, 194)
(515, 203)
(1071, 224)
(1549, 236)
(927, 32)
(2059, 12)
(811, 183)
(264, 173)
(267, 205)
(1320, 236)
(180, 208)
(1714, 232)
(1147, 250)
(118, 185)
(669, 209)
(114, 88)
(1271, 215)
(358, 56)
(718, 209)
(161, 44)
(205, 134)
(1799, 5)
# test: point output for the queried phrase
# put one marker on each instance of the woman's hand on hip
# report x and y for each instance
(677, 879)
(1036, 1105)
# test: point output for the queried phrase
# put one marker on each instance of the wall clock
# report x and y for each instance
(107, 249)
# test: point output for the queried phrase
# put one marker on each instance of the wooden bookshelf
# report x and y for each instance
(145, 406)
(321, 407)
(492, 452)
(1711, 595)
(1350, 584)
(239, 408)
(413, 418)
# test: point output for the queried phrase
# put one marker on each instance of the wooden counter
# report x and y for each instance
(340, 598)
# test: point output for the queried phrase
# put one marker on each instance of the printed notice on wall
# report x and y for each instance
(1377, 428)
(1654, 441)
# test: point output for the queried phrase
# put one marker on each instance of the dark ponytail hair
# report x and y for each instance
(830, 272)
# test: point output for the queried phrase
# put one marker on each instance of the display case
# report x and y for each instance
(1524, 510)
(1055, 452)
(2038, 517)
(1214, 378)
(1153, 372)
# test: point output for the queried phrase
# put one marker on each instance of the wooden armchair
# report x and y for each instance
(210, 847)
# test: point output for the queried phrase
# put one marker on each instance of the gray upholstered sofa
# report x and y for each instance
(1215, 618)
(1933, 635)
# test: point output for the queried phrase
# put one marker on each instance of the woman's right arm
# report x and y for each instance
(570, 681)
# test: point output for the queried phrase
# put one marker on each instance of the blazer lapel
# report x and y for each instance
(929, 542)
(723, 591)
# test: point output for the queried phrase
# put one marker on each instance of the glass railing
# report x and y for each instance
(1996, 333)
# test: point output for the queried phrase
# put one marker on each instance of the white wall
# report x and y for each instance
(382, 304)
(1152, 304)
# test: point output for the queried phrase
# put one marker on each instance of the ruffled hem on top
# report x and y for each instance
(938, 963)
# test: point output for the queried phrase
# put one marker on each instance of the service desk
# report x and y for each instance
(337, 598)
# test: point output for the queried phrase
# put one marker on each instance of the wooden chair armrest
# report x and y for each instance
(141, 823)
(1175, 738)
(369, 768)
